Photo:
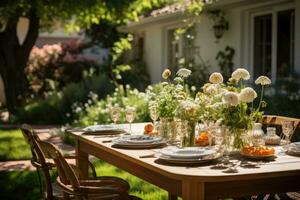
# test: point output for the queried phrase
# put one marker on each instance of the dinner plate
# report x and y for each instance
(121, 144)
(102, 130)
(139, 139)
(189, 160)
(258, 156)
(187, 152)
(293, 150)
(295, 145)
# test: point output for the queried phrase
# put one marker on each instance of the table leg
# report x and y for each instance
(192, 190)
(172, 196)
(82, 160)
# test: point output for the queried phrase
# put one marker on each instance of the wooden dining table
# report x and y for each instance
(193, 181)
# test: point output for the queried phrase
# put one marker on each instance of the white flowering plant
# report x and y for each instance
(231, 104)
(171, 93)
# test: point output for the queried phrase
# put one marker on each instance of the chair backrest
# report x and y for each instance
(38, 159)
(277, 121)
(66, 173)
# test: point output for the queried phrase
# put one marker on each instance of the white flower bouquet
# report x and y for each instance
(232, 104)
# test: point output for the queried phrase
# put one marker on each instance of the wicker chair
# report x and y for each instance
(71, 184)
(43, 166)
(273, 120)
(40, 163)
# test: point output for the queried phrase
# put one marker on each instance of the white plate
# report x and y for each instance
(189, 160)
(139, 139)
(102, 128)
(118, 143)
(186, 153)
(295, 145)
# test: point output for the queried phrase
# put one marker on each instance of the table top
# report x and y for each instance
(283, 165)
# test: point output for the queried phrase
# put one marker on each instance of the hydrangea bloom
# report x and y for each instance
(184, 73)
(263, 80)
(247, 95)
(216, 78)
(240, 73)
(231, 98)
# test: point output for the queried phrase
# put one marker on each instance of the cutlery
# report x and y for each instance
(106, 141)
(147, 156)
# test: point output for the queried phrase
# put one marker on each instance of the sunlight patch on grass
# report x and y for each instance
(13, 146)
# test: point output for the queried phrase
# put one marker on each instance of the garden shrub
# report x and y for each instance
(54, 108)
(52, 67)
(96, 111)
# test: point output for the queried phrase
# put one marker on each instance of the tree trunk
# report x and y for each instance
(13, 60)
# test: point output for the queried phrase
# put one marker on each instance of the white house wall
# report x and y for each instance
(153, 51)
(238, 37)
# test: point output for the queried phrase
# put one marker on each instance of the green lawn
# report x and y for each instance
(24, 185)
(13, 146)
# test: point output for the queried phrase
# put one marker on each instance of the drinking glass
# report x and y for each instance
(287, 130)
(115, 113)
(130, 116)
(225, 144)
(153, 115)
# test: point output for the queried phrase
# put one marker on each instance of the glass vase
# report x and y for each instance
(187, 133)
(234, 139)
(167, 129)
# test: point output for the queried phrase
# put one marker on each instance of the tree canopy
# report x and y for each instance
(78, 14)
(45, 14)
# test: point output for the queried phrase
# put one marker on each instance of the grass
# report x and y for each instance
(13, 146)
(19, 185)
(24, 185)
(139, 187)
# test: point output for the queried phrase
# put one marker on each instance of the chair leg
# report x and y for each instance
(40, 183)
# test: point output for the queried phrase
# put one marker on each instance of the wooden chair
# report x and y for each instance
(273, 120)
(39, 162)
(44, 166)
(71, 183)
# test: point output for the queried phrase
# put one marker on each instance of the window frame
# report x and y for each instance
(273, 10)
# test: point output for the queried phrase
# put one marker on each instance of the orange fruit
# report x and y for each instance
(148, 128)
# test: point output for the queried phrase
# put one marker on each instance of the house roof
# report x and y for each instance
(175, 10)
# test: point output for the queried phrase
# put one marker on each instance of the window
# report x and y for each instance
(180, 51)
(174, 51)
(274, 46)
(285, 43)
(263, 45)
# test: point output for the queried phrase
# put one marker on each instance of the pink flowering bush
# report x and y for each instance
(52, 67)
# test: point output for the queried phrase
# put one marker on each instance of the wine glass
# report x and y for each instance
(287, 130)
(115, 113)
(130, 116)
(153, 114)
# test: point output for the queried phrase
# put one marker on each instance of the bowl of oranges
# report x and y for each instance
(258, 152)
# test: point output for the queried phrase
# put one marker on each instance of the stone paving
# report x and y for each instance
(44, 134)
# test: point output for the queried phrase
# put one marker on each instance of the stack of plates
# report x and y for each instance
(103, 129)
(138, 141)
(294, 148)
(188, 155)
